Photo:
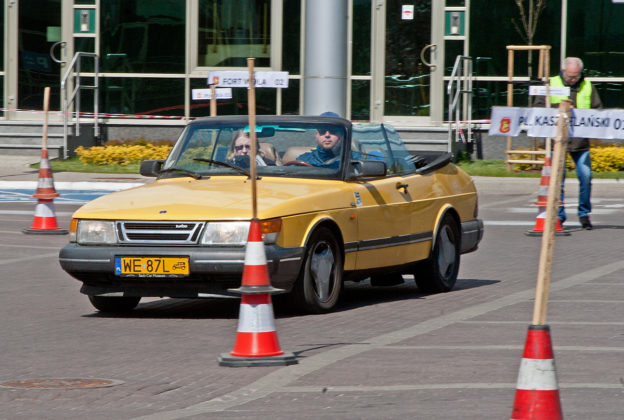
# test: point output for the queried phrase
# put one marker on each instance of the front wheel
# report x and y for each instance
(320, 281)
(439, 272)
(114, 304)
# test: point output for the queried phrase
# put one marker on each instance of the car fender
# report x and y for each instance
(444, 210)
(323, 219)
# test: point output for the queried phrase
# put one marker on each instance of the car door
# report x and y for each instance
(388, 208)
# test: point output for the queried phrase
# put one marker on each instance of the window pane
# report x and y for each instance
(360, 100)
(361, 37)
(291, 36)
(36, 68)
(2, 37)
(143, 36)
(231, 31)
(290, 98)
(142, 96)
(85, 45)
(407, 78)
(596, 35)
(499, 17)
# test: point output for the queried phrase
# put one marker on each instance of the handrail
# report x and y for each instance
(459, 91)
(76, 98)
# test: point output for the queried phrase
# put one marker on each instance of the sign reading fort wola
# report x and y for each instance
(264, 79)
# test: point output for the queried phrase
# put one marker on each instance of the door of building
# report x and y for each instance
(410, 80)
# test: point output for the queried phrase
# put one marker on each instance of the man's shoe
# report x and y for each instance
(585, 223)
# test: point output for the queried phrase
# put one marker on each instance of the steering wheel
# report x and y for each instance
(297, 162)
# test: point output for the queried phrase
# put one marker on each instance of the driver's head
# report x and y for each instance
(328, 137)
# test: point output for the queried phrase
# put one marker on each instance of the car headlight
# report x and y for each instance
(225, 233)
(95, 232)
(237, 233)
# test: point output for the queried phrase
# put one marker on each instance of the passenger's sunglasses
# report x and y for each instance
(336, 131)
(244, 146)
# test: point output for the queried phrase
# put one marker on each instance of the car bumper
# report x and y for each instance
(212, 270)
(472, 233)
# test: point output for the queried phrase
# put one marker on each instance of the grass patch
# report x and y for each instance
(494, 167)
(497, 167)
(75, 165)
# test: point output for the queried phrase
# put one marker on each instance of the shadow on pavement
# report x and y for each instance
(354, 295)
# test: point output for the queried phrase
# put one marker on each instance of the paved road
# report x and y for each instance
(385, 353)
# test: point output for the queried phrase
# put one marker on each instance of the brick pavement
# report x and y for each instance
(385, 353)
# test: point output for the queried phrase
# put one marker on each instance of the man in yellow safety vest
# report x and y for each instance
(583, 95)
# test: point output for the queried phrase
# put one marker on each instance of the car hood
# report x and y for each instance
(218, 198)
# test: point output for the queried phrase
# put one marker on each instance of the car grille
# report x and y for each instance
(154, 233)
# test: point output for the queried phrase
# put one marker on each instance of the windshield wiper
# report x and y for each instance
(186, 171)
(227, 165)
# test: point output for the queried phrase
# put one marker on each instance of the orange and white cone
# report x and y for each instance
(256, 343)
(537, 392)
(541, 203)
(45, 219)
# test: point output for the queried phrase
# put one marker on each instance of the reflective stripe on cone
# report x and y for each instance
(537, 392)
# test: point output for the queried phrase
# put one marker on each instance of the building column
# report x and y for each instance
(325, 59)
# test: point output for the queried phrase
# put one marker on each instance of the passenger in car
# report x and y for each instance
(240, 148)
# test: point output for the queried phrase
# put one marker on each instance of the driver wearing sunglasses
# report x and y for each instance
(327, 152)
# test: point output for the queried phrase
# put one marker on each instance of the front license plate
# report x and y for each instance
(152, 266)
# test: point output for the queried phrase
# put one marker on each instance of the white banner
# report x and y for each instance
(553, 90)
(541, 122)
(264, 79)
(222, 93)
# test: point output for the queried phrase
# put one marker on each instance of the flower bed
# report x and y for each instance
(124, 152)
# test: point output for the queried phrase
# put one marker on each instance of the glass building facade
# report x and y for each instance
(152, 53)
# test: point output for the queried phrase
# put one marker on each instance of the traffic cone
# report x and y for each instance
(256, 339)
(537, 392)
(45, 219)
(541, 203)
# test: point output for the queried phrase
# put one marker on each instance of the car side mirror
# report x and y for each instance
(369, 168)
(151, 167)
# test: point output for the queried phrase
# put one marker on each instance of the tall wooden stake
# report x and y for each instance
(46, 107)
(251, 99)
(548, 237)
(213, 101)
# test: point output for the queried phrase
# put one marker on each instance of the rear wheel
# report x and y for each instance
(439, 272)
(114, 304)
(320, 282)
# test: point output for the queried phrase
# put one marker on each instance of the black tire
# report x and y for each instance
(439, 272)
(114, 304)
(320, 282)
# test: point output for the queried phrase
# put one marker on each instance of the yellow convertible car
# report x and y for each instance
(336, 200)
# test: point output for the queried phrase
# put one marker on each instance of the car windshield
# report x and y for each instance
(298, 149)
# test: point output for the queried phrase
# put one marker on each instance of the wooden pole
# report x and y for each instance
(213, 101)
(548, 237)
(510, 65)
(251, 99)
(548, 144)
(46, 107)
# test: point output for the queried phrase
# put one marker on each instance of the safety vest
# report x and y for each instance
(583, 97)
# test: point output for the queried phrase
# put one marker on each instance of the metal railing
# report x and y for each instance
(459, 92)
(73, 70)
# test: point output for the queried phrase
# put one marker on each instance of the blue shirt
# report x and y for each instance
(321, 157)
